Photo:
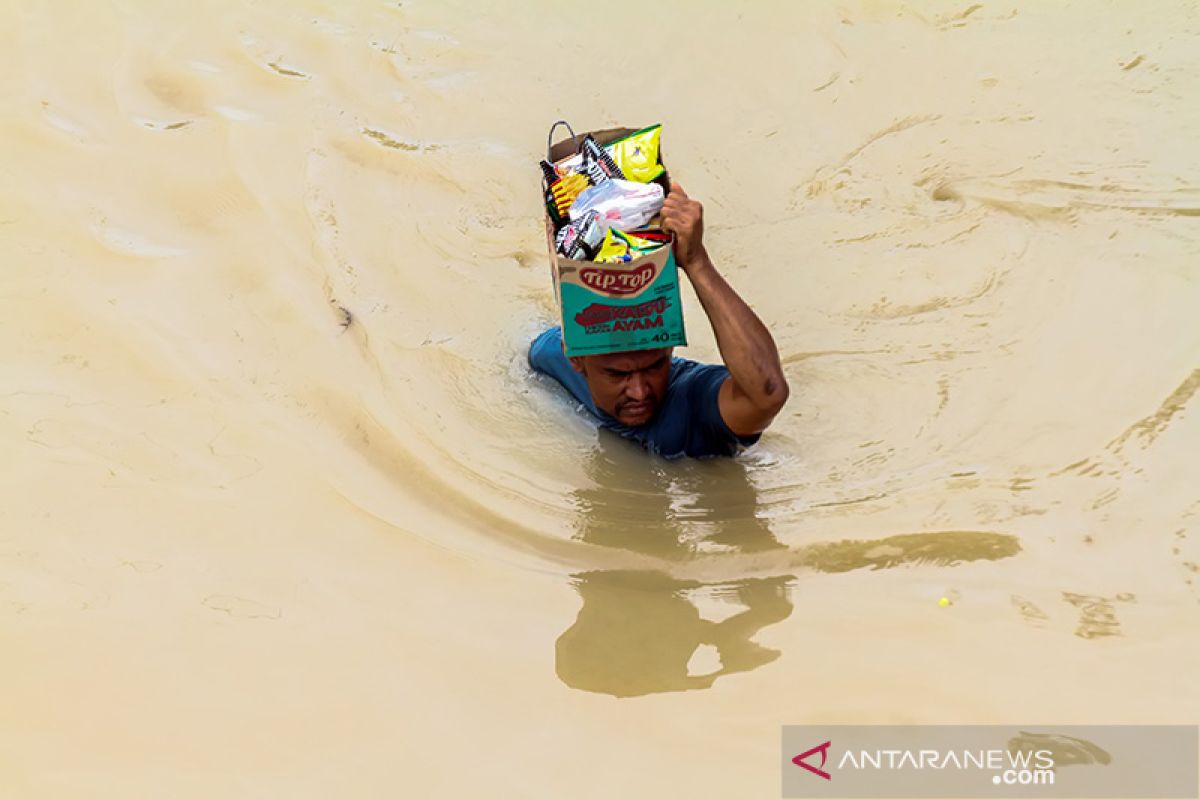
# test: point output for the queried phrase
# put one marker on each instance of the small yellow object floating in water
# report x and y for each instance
(944, 602)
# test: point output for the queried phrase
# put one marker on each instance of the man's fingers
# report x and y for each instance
(673, 208)
(677, 202)
(675, 211)
(673, 219)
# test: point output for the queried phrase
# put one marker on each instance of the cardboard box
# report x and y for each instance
(609, 308)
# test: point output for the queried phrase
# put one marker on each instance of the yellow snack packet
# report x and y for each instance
(637, 154)
(613, 248)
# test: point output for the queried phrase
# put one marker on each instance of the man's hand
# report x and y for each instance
(684, 217)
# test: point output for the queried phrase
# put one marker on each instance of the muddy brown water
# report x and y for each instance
(285, 514)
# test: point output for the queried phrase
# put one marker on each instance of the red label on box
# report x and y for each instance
(617, 282)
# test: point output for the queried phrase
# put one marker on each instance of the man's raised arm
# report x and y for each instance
(756, 388)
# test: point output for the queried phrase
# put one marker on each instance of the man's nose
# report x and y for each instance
(638, 388)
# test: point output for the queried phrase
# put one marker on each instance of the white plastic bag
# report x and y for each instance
(624, 205)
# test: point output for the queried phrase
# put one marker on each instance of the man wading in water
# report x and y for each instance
(673, 406)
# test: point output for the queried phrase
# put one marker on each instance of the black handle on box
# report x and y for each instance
(550, 137)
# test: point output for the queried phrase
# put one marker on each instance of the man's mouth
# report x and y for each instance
(635, 410)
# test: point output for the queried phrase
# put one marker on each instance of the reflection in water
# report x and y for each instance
(638, 630)
(671, 510)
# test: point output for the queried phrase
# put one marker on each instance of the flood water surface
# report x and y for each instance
(285, 512)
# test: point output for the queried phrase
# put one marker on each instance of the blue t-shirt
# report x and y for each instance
(688, 421)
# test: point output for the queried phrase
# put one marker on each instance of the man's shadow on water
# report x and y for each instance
(638, 630)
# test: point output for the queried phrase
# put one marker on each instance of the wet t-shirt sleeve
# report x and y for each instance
(546, 356)
(707, 432)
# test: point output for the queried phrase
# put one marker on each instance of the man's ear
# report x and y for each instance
(577, 363)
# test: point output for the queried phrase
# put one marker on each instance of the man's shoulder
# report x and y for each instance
(692, 409)
(547, 357)
(691, 376)
(546, 345)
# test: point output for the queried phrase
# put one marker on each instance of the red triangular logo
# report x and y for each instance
(799, 760)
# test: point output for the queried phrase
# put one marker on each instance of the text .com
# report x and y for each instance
(1025, 777)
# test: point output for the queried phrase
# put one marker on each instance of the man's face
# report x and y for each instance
(627, 386)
